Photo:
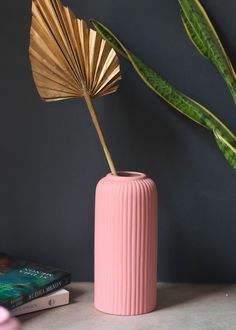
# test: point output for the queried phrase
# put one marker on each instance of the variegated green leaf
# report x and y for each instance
(166, 91)
(203, 35)
(227, 148)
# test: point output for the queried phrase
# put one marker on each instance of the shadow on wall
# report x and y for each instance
(192, 253)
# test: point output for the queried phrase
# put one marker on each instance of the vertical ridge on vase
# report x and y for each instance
(148, 235)
(142, 224)
(136, 256)
(134, 249)
(125, 244)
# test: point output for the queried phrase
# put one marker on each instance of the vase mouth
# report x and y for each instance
(127, 175)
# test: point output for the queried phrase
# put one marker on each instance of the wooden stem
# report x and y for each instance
(100, 133)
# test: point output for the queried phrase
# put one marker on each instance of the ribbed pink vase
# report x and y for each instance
(126, 244)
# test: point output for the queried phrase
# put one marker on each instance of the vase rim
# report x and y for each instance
(126, 175)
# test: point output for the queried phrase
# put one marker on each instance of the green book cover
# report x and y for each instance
(22, 281)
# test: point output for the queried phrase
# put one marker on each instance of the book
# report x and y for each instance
(23, 281)
(55, 299)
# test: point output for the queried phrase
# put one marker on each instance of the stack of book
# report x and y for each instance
(27, 287)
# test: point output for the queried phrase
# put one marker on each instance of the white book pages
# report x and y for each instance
(55, 299)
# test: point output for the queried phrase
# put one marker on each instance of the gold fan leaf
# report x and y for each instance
(68, 59)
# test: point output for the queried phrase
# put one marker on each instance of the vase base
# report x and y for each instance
(119, 313)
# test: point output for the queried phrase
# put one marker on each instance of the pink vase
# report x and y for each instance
(126, 244)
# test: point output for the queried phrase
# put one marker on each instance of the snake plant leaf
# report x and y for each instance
(227, 148)
(165, 90)
(203, 35)
(69, 59)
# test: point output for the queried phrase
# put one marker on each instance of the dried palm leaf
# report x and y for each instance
(69, 60)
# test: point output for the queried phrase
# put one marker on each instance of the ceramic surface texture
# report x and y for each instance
(126, 244)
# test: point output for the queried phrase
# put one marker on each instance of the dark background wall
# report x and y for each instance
(51, 158)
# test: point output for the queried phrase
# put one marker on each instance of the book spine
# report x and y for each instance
(55, 285)
(49, 301)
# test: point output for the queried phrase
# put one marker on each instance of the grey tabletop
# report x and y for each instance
(180, 306)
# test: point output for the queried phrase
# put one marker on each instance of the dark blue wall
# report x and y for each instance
(51, 158)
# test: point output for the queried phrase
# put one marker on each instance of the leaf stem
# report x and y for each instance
(99, 132)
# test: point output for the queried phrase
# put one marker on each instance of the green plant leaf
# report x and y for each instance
(227, 149)
(166, 91)
(203, 35)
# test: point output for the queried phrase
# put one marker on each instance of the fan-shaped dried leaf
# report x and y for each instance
(69, 59)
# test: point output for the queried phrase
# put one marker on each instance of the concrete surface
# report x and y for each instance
(180, 307)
